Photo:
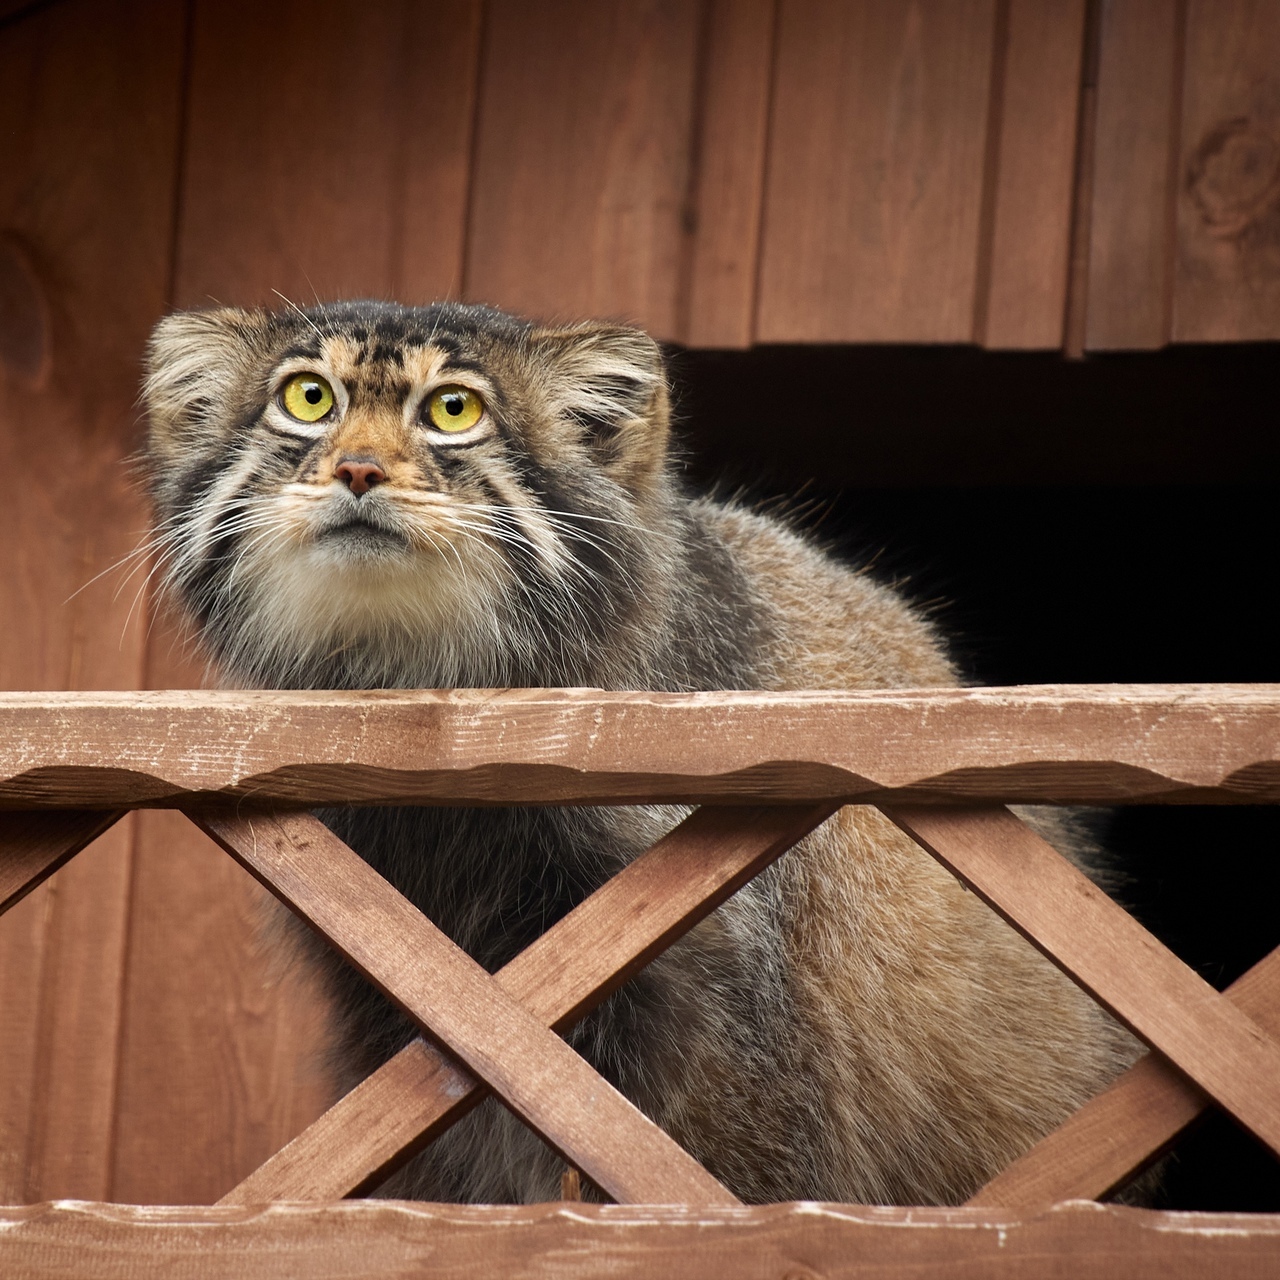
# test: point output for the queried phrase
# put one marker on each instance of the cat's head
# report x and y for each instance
(363, 493)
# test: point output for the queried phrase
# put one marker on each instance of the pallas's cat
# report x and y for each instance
(368, 496)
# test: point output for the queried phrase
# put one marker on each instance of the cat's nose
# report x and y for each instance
(359, 476)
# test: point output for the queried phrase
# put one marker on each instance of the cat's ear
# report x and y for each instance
(610, 381)
(197, 363)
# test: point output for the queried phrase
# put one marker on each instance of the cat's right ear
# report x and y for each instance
(196, 363)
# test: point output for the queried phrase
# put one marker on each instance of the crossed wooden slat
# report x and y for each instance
(497, 1033)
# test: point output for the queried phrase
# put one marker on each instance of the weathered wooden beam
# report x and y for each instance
(457, 1003)
(1211, 743)
(397, 1110)
(1103, 948)
(1127, 1126)
(34, 845)
(69, 1240)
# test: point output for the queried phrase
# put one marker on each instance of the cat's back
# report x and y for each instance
(831, 627)
(927, 1016)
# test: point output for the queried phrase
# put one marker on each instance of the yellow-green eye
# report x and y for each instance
(307, 397)
(454, 409)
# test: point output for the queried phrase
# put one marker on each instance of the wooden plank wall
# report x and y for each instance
(726, 172)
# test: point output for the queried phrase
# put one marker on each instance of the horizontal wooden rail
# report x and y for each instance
(67, 1240)
(1080, 745)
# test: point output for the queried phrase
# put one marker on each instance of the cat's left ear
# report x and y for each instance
(611, 382)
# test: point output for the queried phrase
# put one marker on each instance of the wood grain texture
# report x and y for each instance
(1101, 947)
(1070, 744)
(729, 159)
(875, 172)
(222, 1040)
(1026, 288)
(1129, 1125)
(34, 845)
(563, 975)
(542, 1242)
(81, 1003)
(454, 1001)
(24, 936)
(1228, 214)
(1130, 228)
(89, 108)
(582, 167)
(327, 151)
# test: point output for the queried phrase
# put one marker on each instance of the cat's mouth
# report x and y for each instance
(361, 533)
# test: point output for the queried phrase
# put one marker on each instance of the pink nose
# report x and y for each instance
(359, 476)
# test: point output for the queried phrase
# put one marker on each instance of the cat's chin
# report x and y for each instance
(367, 585)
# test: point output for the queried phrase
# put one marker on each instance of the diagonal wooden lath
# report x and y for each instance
(35, 843)
(452, 998)
(388, 940)
(560, 977)
(1116, 1135)
(1107, 952)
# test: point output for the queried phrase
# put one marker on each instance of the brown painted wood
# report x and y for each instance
(1129, 1125)
(875, 179)
(34, 845)
(87, 184)
(583, 159)
(729, 159)
(1070, 744)
(539, 1242)
(1102, 947)
(454, 1001)
(1130, 248)
(223, 1041)
(81, 1005)
(440, 68)
(1026, 288)
(1228, 176)
(568, 971)
(23, 944)
(327, 151)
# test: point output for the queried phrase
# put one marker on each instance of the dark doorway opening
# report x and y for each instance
(1106, 520)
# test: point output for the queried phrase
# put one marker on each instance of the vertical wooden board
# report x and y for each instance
(874, 185)
(222, 1040)
(73, 1122)
(221, 1052)
(300, 153)
(1129, 226)
(1026, 292)
(1228, 213)
(441, 80)
(732, 128)
(582, 159)
(89, 97)
(23, 938)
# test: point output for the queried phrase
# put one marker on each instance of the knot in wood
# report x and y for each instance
(1233, 176)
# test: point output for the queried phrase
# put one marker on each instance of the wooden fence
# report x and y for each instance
(765, 769)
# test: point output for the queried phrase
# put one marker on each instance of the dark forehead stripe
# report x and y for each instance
(460, 364)
(301, 351)
(386, 353)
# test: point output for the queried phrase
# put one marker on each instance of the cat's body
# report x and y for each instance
(852, 1025)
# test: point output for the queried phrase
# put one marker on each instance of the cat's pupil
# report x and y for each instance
(453, 405)
(313, 394)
